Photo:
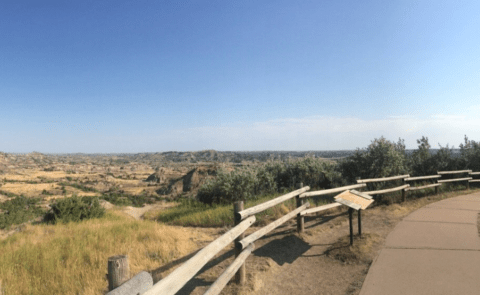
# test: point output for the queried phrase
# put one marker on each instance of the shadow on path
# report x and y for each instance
(285, 250)
(282, 246)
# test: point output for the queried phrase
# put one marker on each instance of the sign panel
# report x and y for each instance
(354, 199)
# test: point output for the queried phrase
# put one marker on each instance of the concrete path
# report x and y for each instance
(434, 250)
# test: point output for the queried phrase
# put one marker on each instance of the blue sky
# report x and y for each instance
(153, 76)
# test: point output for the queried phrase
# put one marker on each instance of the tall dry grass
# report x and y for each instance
(72, 258)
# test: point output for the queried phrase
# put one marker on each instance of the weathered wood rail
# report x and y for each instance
(472, 174)
(244, 246)
(389, 190)
(466, 179)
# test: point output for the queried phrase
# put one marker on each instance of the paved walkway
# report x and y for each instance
(434, 250)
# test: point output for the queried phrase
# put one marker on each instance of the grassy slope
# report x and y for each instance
(194, 213)
(72, 258)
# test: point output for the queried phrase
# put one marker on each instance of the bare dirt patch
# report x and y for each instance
(138, 213)
(361, 251)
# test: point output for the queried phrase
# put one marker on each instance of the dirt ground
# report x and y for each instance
(318, 261)
(138, 213)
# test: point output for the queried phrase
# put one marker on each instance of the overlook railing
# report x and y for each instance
(244, 218)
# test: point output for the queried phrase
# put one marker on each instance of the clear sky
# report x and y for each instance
(152, 76)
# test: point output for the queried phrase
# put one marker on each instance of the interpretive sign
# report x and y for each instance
(354, 199)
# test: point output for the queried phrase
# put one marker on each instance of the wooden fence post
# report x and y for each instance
(240, 276)
(350, 222)
(118, 271)
(404, 192)
(468, 185)
(359, 222)
(300, 218)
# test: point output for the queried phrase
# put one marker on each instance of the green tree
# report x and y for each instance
(470, 154)
(422, 162)
(382, 158)
(445, 160)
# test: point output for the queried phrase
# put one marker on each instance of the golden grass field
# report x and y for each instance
(72, 258)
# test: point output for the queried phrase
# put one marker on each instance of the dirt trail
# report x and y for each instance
(320, 261)
(138, 212)
(314, 262)
(311, 263)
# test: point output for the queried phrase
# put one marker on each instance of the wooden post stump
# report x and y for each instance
(240, 276)
(118, 271)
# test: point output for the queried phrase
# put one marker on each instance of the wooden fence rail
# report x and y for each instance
(473, 174)
(414, 188)
(271, 226)
(422, 177)
(454, 172)
(331, 191)
(389, 190)
(264, 206)
(180, 276)
(383, 179)
(244, 218)
(225, 277)
(320, 208)
(454, 179)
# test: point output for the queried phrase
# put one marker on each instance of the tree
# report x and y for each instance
(421, 160)
(381, 158)
(470, 154)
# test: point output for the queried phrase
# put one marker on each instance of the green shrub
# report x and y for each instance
(445, 160)
(8, 194)
(228, 187)
(78, 186)
(381, 158)
(272, 177)
(18, 210)
(470, 154)
(422, 161)
(74, 209)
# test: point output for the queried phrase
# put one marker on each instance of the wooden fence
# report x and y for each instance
(244, 218)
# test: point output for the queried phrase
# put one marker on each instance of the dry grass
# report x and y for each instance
(35, 175)
(72, 258)
(27, 189)
(362, 250)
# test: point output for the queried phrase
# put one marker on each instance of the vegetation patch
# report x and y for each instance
(272, 177)
(78, 186)
(74, 209)
(18, 210)
(363, 249)
(195, 213)
(9, 194)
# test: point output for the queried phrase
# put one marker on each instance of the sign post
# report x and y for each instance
(354, 200)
